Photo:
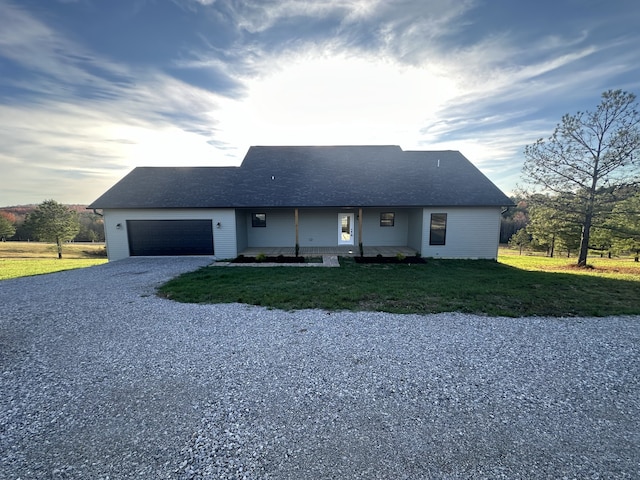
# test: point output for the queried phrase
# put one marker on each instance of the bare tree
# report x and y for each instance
(590, 162)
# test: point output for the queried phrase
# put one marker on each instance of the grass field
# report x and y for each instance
(514, 286)
(621, 268)
(20, 259)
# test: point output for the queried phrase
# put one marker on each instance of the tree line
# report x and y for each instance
(532, 225)
(50, 221)
(581, 188)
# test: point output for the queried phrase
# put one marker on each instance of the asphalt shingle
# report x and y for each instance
(312, 176)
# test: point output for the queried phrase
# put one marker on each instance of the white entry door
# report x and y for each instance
(345, 229)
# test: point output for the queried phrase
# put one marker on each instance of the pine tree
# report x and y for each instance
(53, 222)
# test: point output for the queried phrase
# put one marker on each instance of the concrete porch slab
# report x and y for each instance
(342, 251)
(330, 261)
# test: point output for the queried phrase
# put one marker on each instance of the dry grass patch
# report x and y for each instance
(623, 268)
(21, 259)
(49, 250)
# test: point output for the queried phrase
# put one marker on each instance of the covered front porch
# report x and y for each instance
(329, 231)
(342, 251)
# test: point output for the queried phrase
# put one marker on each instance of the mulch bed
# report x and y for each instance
(278, 259)
(283, 259)
(406, 260)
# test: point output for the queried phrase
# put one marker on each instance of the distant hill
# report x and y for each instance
(20, 211)
(91, 225)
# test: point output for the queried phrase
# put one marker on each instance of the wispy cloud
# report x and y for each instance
(39, 49)
(419, 73)
(256, 16)
(88, 116)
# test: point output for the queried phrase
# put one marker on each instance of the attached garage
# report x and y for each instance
(170, 237)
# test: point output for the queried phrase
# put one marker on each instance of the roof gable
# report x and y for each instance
(312, 176)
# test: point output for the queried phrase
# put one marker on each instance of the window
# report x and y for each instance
(438, 229)
(258, 219)
(387, 219)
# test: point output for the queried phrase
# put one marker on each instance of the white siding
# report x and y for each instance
(241, 230)
(471, 233)
(414, 236)
(279, 232)
(319, 227)
(224, 238)
(374, 235)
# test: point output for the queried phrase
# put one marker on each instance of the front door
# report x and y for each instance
(345, 229)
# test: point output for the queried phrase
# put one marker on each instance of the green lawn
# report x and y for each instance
(514, 286)
(21, 259)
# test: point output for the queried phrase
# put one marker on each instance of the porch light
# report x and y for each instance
(218, 225)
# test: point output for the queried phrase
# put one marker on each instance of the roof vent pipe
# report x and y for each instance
(438, 163)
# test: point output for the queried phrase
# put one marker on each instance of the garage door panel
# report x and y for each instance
(170, 237)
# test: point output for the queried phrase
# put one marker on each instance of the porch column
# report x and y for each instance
(295, 215)
(360, 232)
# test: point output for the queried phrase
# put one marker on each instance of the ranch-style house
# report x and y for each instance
(308, 200)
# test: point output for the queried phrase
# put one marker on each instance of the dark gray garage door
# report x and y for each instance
(170, 237)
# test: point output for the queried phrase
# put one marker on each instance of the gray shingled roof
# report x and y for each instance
(341, 176)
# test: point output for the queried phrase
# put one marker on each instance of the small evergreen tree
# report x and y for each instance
(521, 239)
(625, 226)
(53, 222)
(7, 229)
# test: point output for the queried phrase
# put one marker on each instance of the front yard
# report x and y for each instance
(514, 286)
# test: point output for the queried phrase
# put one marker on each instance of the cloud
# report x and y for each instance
(258, 16)
(290, 72)
(394, 23)
(320, 99)
(57, 62)
(59, 142)
(86, 116)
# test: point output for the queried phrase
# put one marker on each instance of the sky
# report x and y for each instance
(90, 89)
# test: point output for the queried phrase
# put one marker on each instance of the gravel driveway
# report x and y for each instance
(101, 379)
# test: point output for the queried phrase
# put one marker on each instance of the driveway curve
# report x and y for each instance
(101, 379)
